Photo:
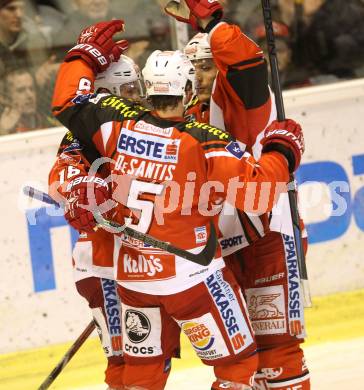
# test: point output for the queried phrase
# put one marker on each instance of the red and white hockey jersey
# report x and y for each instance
(243, 104)
(171, 178)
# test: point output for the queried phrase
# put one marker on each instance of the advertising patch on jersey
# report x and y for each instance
(148, 146)
(295, 301)
(226, 301)
(200, 234)
(113, 314)
(205, 337)
(266, 309)
(143, 265)
(231, 242)
(152, 129)
(142, 330)
(235, 150)
(103, 332)
(82, 99)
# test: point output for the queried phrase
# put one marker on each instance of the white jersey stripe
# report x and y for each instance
(219, 154)
(106, 129)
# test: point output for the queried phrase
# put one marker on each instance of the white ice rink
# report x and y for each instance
(333, 366)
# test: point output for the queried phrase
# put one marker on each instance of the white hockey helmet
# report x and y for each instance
(198, 47)
(124, 71)
(167, 73)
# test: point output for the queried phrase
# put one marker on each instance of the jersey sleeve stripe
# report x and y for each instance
(218, 154)
(248, 62)
(214, 146)
(106, 129)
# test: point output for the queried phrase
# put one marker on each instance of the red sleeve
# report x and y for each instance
(74, 78)
(241, 96)
(233, 174)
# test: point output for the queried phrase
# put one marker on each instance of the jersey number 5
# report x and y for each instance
(146, 207)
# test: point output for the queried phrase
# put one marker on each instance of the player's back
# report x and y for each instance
(163, 163)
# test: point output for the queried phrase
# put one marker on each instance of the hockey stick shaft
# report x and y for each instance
(277, 90)
(203, 258)
(67, 356)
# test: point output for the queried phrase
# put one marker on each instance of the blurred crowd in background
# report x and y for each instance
(318, 42)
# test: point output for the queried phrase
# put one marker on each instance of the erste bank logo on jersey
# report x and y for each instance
(148, 146)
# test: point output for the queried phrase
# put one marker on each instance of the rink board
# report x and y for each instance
(38, 301)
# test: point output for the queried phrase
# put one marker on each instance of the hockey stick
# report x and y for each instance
(267, 15)
(203, 258)
(67, 356)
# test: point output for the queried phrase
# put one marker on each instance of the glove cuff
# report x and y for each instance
(287, 153)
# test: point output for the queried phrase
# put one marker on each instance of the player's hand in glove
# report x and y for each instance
(83, 198)
(192, 11)
(285, 137)
(96, 46)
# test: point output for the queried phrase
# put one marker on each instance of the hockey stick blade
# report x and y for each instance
(67, 356)
(203, 258)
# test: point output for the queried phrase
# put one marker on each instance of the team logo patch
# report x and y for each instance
(137, 326)
(267, 310)
(200, 234)
(234, 149)
(148, 147)
(81, 99)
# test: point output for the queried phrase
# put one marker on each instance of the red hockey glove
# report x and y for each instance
(96, 47)
(285, 137)
(189, 11)
(85, 194)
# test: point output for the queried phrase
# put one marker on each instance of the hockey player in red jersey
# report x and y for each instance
(241, 103)
(93, 253)
(152, 154)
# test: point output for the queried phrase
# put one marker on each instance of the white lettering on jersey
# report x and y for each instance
(151, 129)
(144, 169)
(148, 147)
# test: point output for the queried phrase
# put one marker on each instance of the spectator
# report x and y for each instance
(290, 75)
(19, 106)
(22, 45)
(333, 39)
(20, 38)
(159, 39)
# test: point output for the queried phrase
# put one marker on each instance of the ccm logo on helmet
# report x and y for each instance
(93, 51)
